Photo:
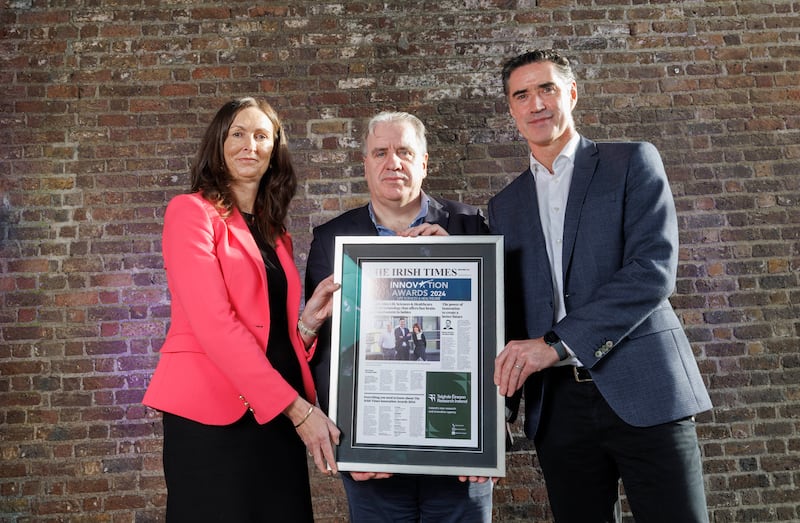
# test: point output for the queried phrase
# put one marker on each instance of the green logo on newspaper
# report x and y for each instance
(448, 405)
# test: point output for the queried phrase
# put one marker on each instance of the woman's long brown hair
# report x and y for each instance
(278, 185)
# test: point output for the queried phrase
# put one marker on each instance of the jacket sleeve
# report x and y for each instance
(625, 261)
(318, 267)
(319, 264)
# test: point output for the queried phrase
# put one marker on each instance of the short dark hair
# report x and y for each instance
(539, 55)
(210, 176)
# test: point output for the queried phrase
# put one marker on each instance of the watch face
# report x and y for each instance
(551, 337)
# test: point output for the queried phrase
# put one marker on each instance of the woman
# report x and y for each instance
(233, 380)
(419, 343)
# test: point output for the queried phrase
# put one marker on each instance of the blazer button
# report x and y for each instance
(598, 354)
(609, 344)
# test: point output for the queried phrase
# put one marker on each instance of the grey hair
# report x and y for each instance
(397, 117)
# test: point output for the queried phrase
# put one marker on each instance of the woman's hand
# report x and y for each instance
(318, 308)
(318, 432)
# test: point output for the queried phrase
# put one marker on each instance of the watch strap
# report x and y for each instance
(560, 350)
(552, 339)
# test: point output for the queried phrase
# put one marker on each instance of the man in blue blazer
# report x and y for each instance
(611, 385)
(395, 164)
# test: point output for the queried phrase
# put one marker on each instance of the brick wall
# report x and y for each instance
(101, 106)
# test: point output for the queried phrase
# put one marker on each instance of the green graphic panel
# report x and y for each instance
(448, 405)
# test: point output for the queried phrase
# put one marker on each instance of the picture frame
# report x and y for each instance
(426, 402)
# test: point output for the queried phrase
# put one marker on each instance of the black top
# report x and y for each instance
(280, 352)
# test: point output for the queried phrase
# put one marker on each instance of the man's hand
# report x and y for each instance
(518, 360)
(425, 229)
(364, 476)
(476, 479)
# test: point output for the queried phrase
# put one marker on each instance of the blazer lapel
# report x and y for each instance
(241, 232)
(527, 211)
(283, 248)
(437, 213)
(361, 223)
(586, 159)
(536, 271)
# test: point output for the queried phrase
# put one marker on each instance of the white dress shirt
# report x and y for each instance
(552, 190)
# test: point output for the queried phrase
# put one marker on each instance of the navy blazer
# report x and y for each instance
(454, 217)
(620, 257)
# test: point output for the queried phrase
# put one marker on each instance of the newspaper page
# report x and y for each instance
(419, 353)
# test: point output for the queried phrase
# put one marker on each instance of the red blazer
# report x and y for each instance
(213, 364)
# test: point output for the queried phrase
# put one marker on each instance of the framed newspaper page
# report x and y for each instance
(416, 328)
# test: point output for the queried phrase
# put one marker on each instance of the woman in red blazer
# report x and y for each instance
(233, 381)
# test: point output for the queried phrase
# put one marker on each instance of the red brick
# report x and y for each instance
(102, 112)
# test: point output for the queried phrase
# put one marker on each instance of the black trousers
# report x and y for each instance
(239, 473)
(584, 449)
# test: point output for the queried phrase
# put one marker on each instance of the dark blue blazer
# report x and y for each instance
(454, 217)
(620, 257)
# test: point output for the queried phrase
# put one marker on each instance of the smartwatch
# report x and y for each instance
(552, 339)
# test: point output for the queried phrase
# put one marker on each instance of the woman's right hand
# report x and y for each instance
(318, 432)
